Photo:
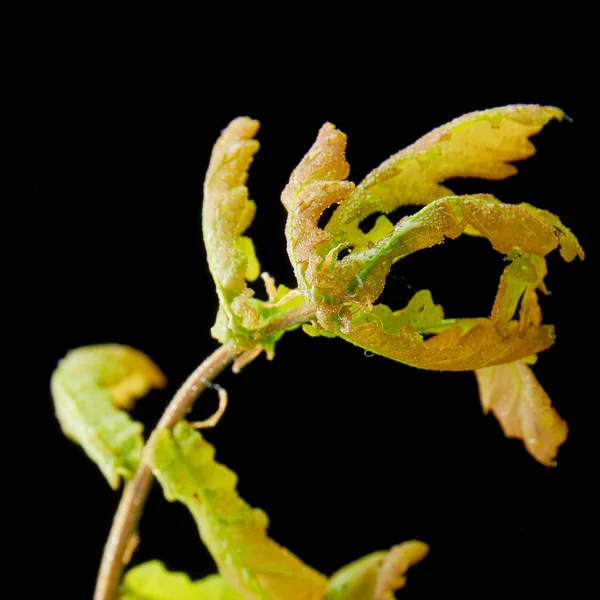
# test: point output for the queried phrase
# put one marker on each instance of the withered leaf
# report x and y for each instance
(523, 408)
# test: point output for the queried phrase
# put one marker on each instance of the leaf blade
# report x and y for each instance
(152, 581)
(226, 211)
(90, 387)
(523, 408)
(253, 564)
(481, 144)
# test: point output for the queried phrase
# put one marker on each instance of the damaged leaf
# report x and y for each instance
(235, 534)
(523, 408)
(344, 290)
(92, 387)
(480, 144)
(226, 214)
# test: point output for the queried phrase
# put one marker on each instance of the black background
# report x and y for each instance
(346, 453)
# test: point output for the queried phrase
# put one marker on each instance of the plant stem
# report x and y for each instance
(136, 491)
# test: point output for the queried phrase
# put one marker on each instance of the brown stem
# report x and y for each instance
(136, 491)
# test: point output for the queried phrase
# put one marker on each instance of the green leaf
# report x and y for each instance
(377, 575)
(235, 534)
(90, 387)
(152, 581)
(420, 313)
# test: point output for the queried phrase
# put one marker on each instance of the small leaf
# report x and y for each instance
(523, 408)
(252, 272)
(480, 144)
(420, 313)
(152, 581)
(235, 534)
(376, 576)
(226, 214)
(391, 576)
(226, 211)
(90, 386)
(316, 183)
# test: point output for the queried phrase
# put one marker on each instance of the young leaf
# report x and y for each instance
(343, 291)
(315, 184)
(523, 408)
(506, 226)
(479, 144)
(235, 534)
(226, 211)
(226, 214)
(152, 581)
(90, 386)
(376, 576)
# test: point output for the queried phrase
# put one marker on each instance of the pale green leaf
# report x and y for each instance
(152, 581)
(90, 387)
(252, 272)
(235, 534)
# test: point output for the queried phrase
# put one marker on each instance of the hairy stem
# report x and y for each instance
(136, 491)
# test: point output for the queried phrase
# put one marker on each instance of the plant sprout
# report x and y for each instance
(341, 271)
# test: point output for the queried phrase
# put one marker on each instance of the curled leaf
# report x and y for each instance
(376, 576)
(235, 534)
(152, 581)
(343, 290)
(316, 184)
(90, 386)
(523, 408)
(480, 144)
(227, 212)
(506, 226)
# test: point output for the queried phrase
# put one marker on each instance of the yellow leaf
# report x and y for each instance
(236, 534)
(91, 388)
(226, 211)
(400, 558)
(479, 144)
(523, 408)
(343, 290)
